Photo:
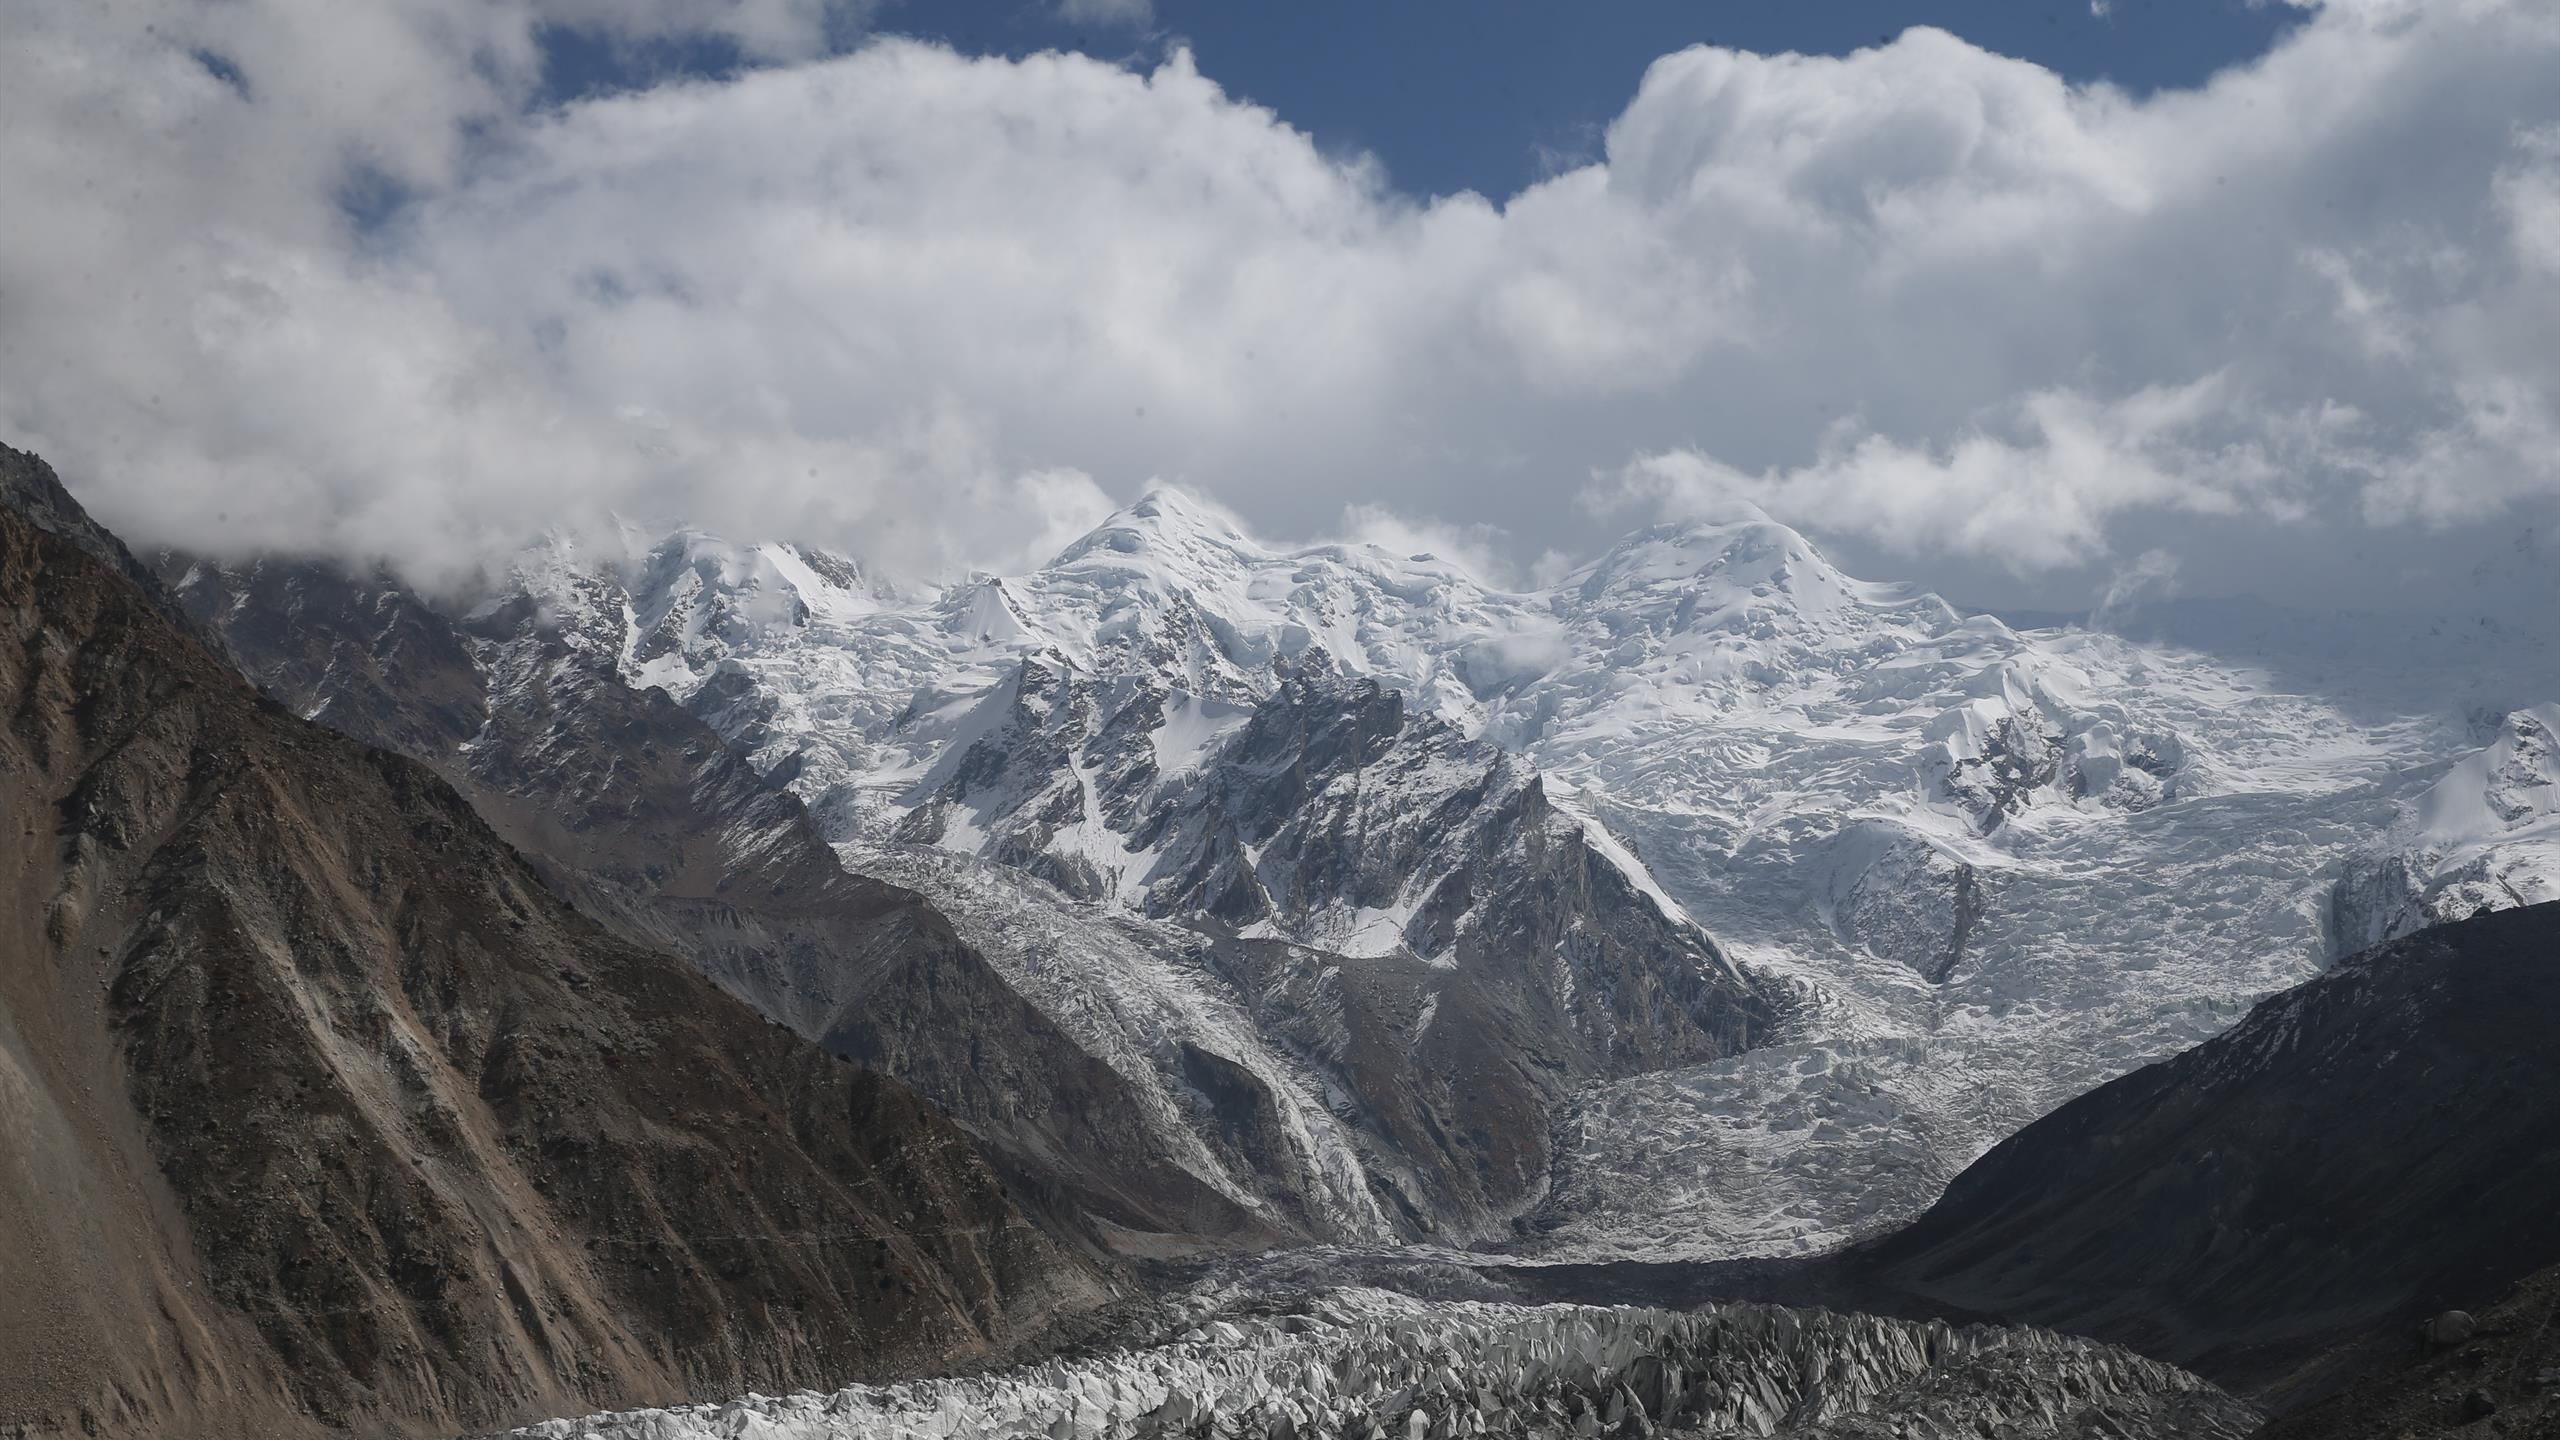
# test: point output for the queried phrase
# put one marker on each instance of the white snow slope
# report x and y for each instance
(1992, 868)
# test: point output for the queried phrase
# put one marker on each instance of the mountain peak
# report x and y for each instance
(1710, 569)
(1174, 504)
(1166, 521)
(30, 489)
(1682, 553)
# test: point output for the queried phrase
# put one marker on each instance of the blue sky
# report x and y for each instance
(1492, 94)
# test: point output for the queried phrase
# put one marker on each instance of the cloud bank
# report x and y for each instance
(326, 278)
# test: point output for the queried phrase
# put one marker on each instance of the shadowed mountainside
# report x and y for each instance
(2368, 1148)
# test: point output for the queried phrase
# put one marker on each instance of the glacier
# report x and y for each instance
(1372, 1365)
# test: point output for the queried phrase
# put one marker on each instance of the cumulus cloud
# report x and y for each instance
(1997, 330)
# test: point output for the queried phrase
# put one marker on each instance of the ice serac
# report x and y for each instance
(2372, 1147)
(1353, 1364)
(319, 1113)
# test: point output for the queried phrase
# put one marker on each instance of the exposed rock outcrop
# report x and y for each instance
(2508, 1356)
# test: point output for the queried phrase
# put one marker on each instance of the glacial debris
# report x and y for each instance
(1368, 1365)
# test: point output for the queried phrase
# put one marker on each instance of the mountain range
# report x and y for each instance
(674, 967)
(1834, 885)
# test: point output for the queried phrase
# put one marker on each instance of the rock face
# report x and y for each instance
(1901, 897)
(1409, 914)
(1335, 820)
(2359, 1153)
(1365, 1363)
(318, 1109)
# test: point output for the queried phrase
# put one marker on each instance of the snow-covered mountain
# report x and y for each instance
(1430, 946)
(1708, 902)
(1180, 916)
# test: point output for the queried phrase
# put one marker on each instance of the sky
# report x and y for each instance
(1521, 88)
(2035, 304)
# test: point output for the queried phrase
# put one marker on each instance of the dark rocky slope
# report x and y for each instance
(2372, 1147)
(2502, 1379)
(318, 1110)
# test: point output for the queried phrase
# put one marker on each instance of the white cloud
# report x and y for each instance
(2153, 575)
(1925, 298)
(2038, 499)
(1479, 550)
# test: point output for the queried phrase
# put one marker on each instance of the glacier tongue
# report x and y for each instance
(1364, 1364)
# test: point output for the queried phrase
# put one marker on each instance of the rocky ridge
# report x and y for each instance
(2500, 1366)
